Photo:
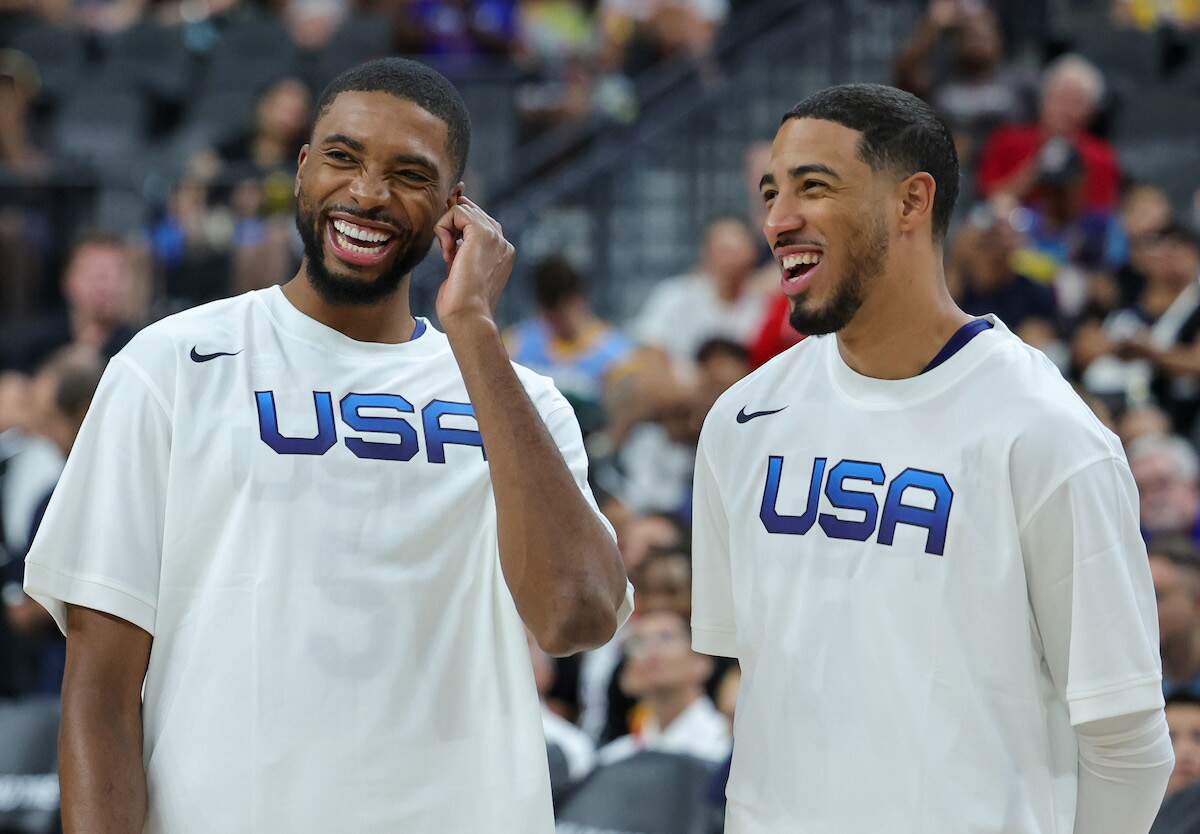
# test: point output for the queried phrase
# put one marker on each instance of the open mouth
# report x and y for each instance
(357, 244)
(798, 270)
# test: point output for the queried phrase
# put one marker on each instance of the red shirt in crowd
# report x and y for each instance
(775, 335)
(1011, 147)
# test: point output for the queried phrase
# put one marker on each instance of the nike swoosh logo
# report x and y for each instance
(743, 417)
(208, 357)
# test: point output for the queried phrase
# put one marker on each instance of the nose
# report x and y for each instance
(783, 216)
(369, 191)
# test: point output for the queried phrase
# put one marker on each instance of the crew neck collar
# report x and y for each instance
(426, 339)
(898, 393)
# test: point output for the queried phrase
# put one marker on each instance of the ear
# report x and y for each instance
(455, 192)
(303, 155)
(916, 194)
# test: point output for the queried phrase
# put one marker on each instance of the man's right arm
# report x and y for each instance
(100, 740)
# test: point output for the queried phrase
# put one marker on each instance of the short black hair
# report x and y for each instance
(415, 82)
(556, 281)
(721, 346)
(900, 133)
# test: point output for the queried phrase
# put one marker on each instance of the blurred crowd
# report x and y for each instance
(1097, 268)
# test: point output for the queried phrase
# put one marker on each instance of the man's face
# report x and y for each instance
(664, 583)
(370, 189)
(1168, 502)
(660, 656)
(1066, 106)
(825, 223)
(729, 252)
(1176, 595)
(98, 284)
(1184, 722)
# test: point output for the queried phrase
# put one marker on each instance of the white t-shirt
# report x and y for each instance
(576, 745)
(700, 731)
(682, 313)
(921, 623)
(307, 529)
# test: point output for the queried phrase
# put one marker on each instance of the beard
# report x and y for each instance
(344, 288)
(866, 252)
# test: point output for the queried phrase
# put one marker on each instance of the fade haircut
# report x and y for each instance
(900, 133)
(412, 81)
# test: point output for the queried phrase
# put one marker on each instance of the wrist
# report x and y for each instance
(469, 324)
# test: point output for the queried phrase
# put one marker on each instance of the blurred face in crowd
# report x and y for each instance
(1184, 722)
(1067, 104)
(1169, 502)
(283, 112)
(825, 222)
(663, 582)
(1172, 263)
(660, 657)
(1142, 421)
(979, 44)
(1145, 209)
(1176, 589)
(729, 252)
(641, 533)
(99, 284)
(371, 186)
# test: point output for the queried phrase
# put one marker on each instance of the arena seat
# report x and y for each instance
(29, 797)
(650, 793)
(60, 57)
(150, 58)
(97, 125)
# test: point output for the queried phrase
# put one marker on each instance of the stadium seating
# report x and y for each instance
(28, 761)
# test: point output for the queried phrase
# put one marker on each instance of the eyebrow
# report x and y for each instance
(799, 171)
(399, 159)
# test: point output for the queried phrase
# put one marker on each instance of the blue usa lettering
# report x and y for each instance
(405, 446)
(934, 520)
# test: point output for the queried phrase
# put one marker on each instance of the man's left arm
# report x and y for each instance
(559, 560)
(1094, 606)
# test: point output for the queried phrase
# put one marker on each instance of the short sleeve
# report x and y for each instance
(1092, 594)
(713, 624)
(100, 543)
(564, 428)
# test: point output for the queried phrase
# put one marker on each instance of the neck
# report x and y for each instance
(1180, 656)
(93, 332)
(728, 289)
(670, 704)
(907, 317)
(388, 320)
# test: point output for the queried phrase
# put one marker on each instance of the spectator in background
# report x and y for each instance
(1011, 163)
(718, 299)
(955, 61)
(567, 342)
(282, 123)
(1141, 420)
(641, 33)
(668, 679)
(1152, 346)
(1167, 473)
(101, 288)
(985, 279)
(719, 364)
(20, 83)
(576, 746)
(1180, 813)
(62, 391)
(455, 28)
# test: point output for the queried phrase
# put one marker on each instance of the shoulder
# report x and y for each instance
(756, 389)
(1053, 433)
(155, 351)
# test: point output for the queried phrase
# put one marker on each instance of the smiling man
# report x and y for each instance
(294, 584)
(925, 550)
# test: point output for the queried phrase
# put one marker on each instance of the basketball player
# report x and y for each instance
(918, 541)
(314, 528)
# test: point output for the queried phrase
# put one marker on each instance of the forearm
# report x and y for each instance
(100, 766)
(1124, 765)
(1182, 361)
(559, 561)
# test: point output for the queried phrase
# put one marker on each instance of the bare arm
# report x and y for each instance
(561, 565)
(100, 741)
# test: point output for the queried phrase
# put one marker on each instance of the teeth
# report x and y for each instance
(793, 261)
(350, 246)
(362, 233)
